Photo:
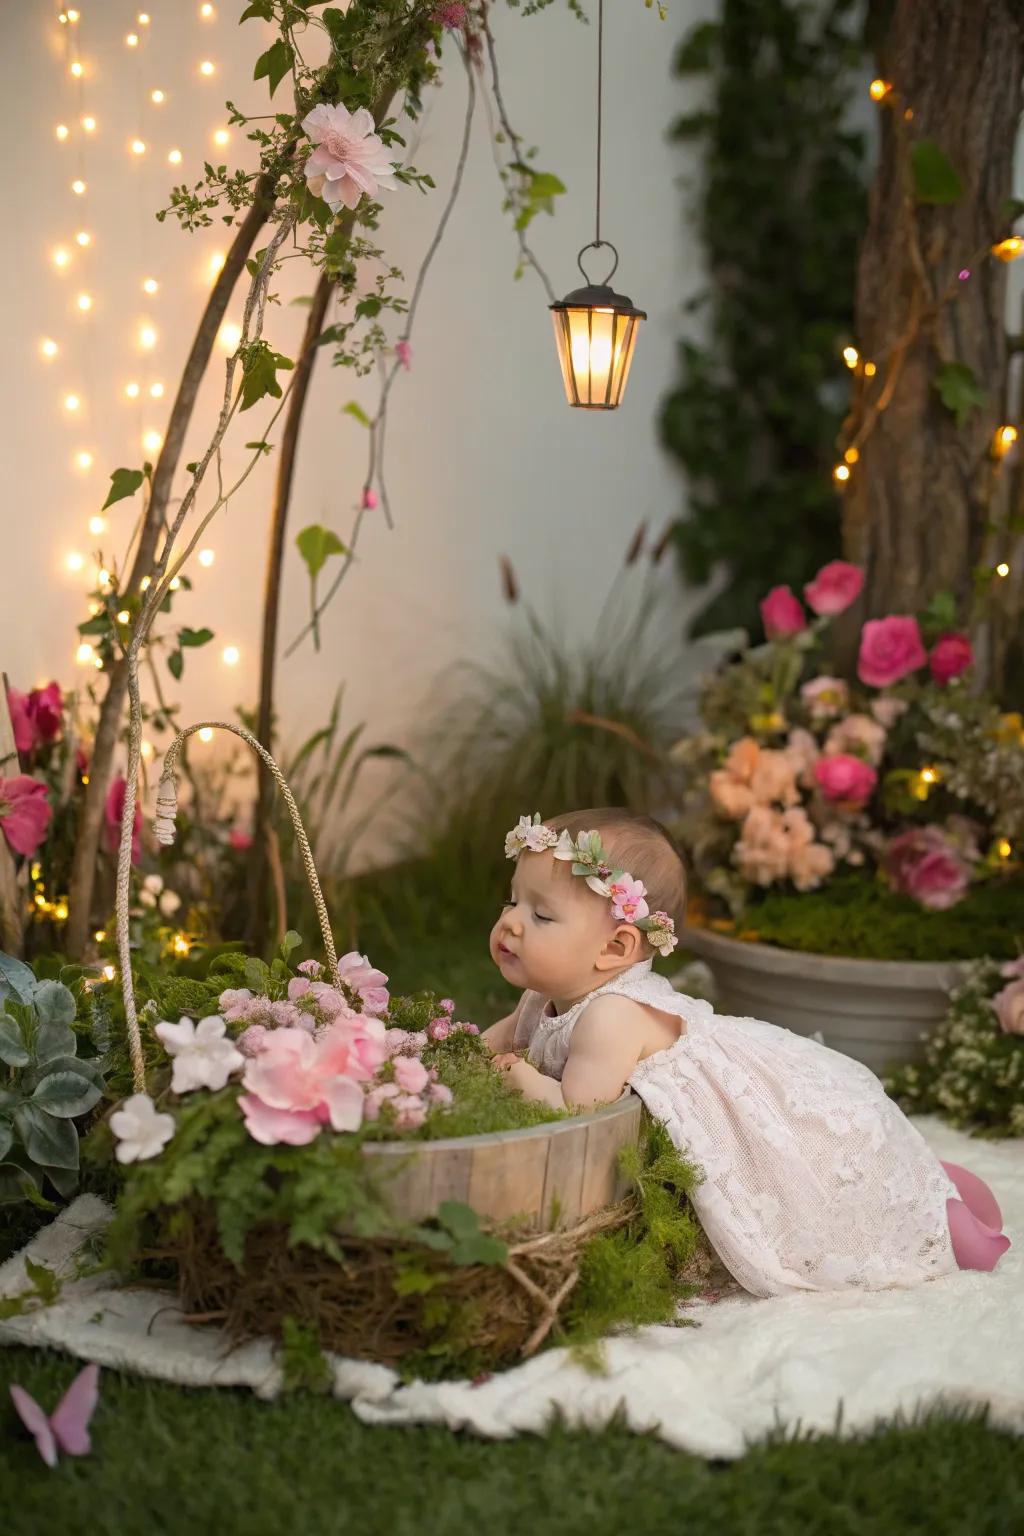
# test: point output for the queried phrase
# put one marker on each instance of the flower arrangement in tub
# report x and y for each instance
(320, 1058)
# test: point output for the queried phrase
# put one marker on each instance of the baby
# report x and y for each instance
(813, 1179)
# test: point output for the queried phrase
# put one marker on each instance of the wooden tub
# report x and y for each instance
(546, 1175)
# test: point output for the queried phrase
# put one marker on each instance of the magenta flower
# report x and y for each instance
(356, 972)
(239, 839)
(450, 14)
(369, 499)
(628, 904)
(835, 587)
(922, 863)
(35, 716)
(112, 813)
(950, 655)
(889, 649)
(25, 733)
(782, 614)
(403, 351)
(349, 158)
(845, 780)
(25, 813)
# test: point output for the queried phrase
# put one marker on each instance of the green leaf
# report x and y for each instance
(195, 636)
(16, 979)
(353, 408)
(176, 665)
(18, 1183)
(65, 1095)
(123, 482)
(54, 1003)
(6, 1138)
(274, 64)
(47, 1140)
(263, 9)
(259, 367)
(959, 390)
(469, 1244)
(290, 942)
(262, 445)
(53, 1041)
(12, 1048)
(697, 49)
(257, 976)
(98, 625)
(935, 180)
(316, 544)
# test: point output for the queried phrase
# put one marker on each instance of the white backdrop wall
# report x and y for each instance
(485, 457)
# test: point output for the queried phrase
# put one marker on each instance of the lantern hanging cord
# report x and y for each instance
(600, 54)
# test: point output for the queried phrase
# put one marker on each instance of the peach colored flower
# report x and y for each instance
(753, 775)
(858, 735)
(836, 586)
(1009, 1008)
(349, 159)
(803, 752)
(762, 853)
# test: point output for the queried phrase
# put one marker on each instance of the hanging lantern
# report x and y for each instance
(595, 327)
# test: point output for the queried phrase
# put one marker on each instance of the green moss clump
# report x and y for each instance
(857, 917)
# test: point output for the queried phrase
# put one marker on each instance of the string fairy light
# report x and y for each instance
(89, 124)
(174, 157)
(207, 67)
(48, 347)
(1002, 569)
(84, 459)
(206, 734)
(150, 285)
(147, 336)
(83, 238)
(78, 187)
(157, 98)
(75, 562)
(62, 130)
(841, 473)
(84, 302)
(878, 90)
(206, 557)
(156, 391)
(231, 655)
(1009, 249)
(97, 526)
(1004, 439)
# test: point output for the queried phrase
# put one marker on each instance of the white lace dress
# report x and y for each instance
(813, 1178)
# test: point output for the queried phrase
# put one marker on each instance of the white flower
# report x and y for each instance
(151, 888)
(203, 1056)
(169, 903)
(565, 848)
(349, 158)
(141, 1132)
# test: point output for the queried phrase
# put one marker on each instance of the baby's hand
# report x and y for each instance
(505, 1061)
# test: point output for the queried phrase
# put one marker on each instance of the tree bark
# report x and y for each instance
(924, 489)
(262, 855)
(108, 729)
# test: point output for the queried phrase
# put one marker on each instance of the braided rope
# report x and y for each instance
(166, 811)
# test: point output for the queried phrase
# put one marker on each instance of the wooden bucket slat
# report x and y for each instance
(603, 1181)
(562, 1200)
(508, 1181)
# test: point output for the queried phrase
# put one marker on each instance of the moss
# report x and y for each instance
(856, 917)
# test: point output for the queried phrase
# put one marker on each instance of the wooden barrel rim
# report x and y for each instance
(628, 1104)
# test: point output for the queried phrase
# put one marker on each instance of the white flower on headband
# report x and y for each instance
(660, 931)
(529, 834)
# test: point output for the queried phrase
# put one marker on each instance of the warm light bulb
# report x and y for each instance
(157, 98)
(89, 124)
(206, 67)
(206, 557)
(84, 654)
(84, 302)
(143, 18)
(206, 734)
(1004, 848)
(132, 40)
(84, 460)
(100, 935)
(1004, 440)
(103, 576)
(151, 441)
(97, 525)
(851, 455)
(147, 749)
(61, 256)
(147, 336)
(109, 973)
(83, 238)
(174, 158)
(124, 617)
(181, 944)
(73, 15)
(1006, 250)
(217, 261)
(156, 391)
(229, 336)
(78, 187)
(48, 348)
(144, 583)
(75, 562)
(1002, 569)
(206, 12)
(138, 147)
(222, 137)
(71, 402)
(62, 130)
(841, 472)
(870, 370)
(174, 583)
(63, 18)
(77, 70)
(851, 357)
(929, 775)
(230, 655)
(879, 89)
(150, 285)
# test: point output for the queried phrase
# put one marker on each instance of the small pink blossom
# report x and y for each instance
(239, 839)
(835, 587)
(251, 1041)
(403, 351)
(468, 1029)
(285, 1015)
(369, 498)
(311, 968)
(439, 1093)
(25, 813)
(377, 1098)
(887, 710)
(410, 1074)
(112, 813)
(890, 649)
(410, 1111)
(404, 1042)
(845, 780)
(950, 656)
(782, 614)
(825, 697)
(439, 1029)
(628, 904)
(356, 972)
(859, 735)
(234, 1004)
(1009, 1008)
(1013, 968)
(922, 863)
(446, 1005)
(350, 158)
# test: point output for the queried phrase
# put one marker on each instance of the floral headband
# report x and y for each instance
(590, 861)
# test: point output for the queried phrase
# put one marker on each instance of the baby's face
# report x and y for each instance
(551, 932)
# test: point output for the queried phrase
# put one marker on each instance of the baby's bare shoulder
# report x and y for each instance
(612, 1012)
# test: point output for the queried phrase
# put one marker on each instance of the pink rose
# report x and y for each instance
(439, 1029)
(46, 706)
(446, 1005)
(239, 839)
(356, 971)
(782, 614)
(1009, 1007)
(112, 813)
(410, 1074)
(922, 863)
(845, 780)
(25, 731)
(25, 812)
(951, 655)
(835, 587)
(889, 649)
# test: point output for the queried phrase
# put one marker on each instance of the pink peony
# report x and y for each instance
(25, 812)
(25, 732)
(468, 1029)
(1009, 1008)
(782, 614)
(296, 1083)
(446, 1005)
(628, 904)
(112, 813)
(403, 352)
(239, 839)
(410, 1074)
(950, 655)
(294, 1127)
(46, 707)
(924, 864)
(356, 972)
(825, 697)
(835, 587)
(845, 780)
(889, 649)
(859, 735)
(439, 1029)
(349, 158)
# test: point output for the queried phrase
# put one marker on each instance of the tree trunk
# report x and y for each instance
(924, 489)
(260, 859)
(108, 729)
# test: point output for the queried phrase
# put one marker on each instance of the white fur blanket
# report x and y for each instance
(814, 1360)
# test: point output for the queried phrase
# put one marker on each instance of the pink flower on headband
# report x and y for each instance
(628, 904)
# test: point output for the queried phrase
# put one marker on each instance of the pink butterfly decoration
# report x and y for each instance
(68, 1426)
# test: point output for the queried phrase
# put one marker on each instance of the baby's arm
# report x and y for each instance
(606, 1045)
(500, 1036)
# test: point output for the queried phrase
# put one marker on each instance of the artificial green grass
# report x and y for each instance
(167, 1460)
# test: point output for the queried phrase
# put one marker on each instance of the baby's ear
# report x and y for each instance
(625, 947)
